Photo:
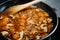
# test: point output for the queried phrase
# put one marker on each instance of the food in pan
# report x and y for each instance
(31, 23)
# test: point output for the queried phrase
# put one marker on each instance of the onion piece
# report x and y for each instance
(21, 35)
(4, 33)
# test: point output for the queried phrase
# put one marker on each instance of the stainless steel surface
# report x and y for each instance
(54, 4)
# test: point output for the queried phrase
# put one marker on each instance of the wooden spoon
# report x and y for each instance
(15, 9)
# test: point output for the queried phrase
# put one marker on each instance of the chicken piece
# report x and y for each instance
(44, 27)
(49, 20)
(9, 25)
(12, 16)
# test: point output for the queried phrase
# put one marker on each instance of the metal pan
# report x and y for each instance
(42, 5)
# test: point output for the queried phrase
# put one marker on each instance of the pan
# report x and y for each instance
(42, 5)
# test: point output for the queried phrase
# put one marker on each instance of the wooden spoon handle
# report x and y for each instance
(17, 8)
